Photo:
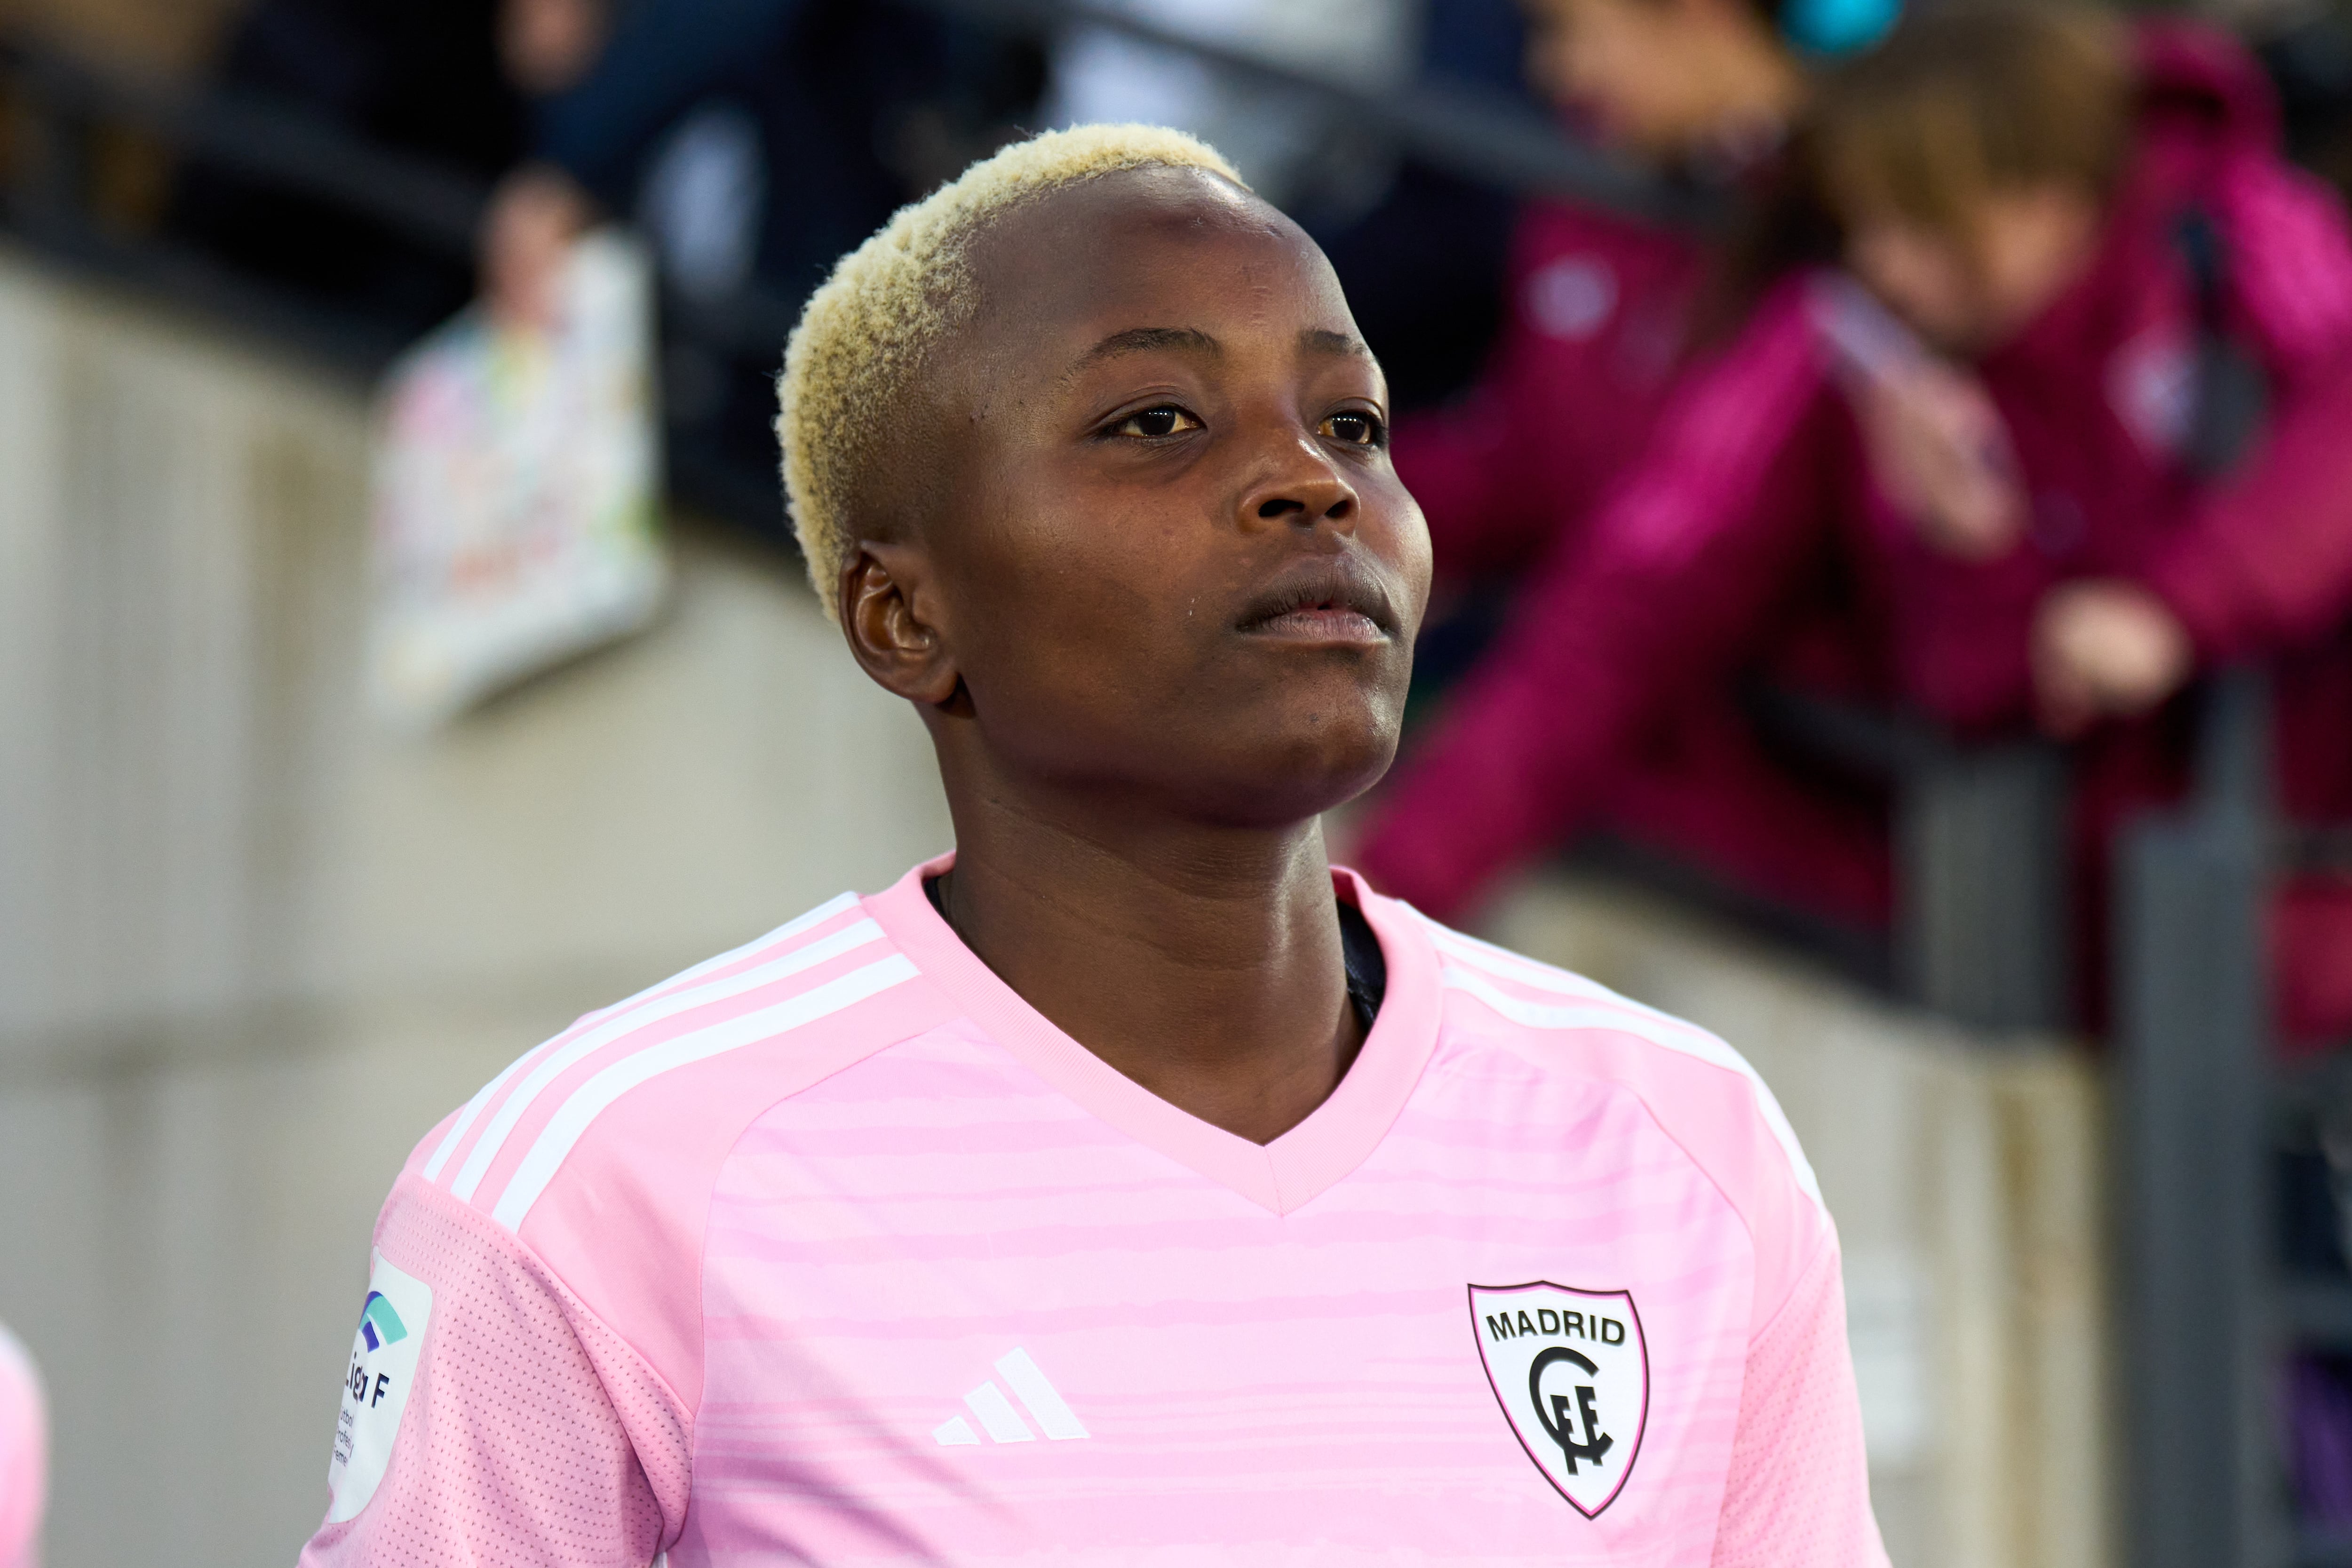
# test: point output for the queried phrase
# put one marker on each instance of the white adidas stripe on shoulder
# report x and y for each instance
(472, 1109)
(1598, 1007)
(482, 1097)
(573, 1117)
(602, 1022)
(825, 912)
(1525, 971)
(669, 1005)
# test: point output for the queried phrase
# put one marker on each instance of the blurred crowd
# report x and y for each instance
(2007, 394)
(2012, 403)
(2001, 397)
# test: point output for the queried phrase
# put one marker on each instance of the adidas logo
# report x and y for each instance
(1000, 1421)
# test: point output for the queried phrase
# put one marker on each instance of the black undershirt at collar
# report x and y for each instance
(1359, 950)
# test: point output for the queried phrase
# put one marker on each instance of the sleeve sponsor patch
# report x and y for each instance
(385, 1355)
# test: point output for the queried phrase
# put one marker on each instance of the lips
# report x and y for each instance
(1336, 600)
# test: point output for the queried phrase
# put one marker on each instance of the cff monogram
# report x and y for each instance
(1572, 1373)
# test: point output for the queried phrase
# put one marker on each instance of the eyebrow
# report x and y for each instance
(1192, 340)
(1143, 340)
(1323, 341)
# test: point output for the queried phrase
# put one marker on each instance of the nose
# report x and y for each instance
(1303, 488)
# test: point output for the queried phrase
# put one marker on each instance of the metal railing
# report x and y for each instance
(1977, 934)
(1452, 129)
(2193, 1054)
(1446, 126)
(64, 105)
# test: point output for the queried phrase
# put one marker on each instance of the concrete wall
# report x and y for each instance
(251, 947)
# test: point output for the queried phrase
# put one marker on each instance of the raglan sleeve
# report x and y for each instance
(1798, 1494)
(487, 1416)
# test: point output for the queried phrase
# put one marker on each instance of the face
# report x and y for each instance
(2029, 245)
(1636, 71)
(1163, 556)
(547, 45)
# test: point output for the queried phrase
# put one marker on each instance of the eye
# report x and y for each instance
(1354, 428)
(1154, 423)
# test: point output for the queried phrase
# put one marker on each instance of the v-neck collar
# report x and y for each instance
(1336, 1137)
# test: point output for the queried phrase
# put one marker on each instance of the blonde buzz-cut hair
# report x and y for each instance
(865, 332)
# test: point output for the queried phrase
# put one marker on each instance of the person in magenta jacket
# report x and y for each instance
(2001, 480)
(1597, 329)
(1597, 303)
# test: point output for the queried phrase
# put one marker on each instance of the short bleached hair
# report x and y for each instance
(864, 335)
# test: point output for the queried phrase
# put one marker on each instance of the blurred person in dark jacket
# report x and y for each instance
(421, 77)
(753, 142)
(1599, 306)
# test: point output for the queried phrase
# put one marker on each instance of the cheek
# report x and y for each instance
(2024, 266)
(1084, 607)
(1919, 281)
(1404, 542)
(1613, 80)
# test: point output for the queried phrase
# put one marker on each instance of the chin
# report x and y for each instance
(1307, 766)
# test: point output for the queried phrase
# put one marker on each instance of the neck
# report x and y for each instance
(1204, 962)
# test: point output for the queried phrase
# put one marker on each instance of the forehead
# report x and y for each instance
(1159, 247)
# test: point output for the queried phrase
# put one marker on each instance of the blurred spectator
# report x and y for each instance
(1420, 252)
(753, 142)
(421, 77)
(751, 138)
(1425, 265)
(24, 1455)
(1597, 305)
(2075, 224)
(1291, 150)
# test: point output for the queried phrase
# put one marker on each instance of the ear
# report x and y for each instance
(888, 615)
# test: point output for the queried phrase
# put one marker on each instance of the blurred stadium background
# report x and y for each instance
(252, 942)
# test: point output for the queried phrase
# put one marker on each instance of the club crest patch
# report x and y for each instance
(1572, 1374)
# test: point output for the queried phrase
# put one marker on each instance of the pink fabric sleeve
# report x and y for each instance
(534, 1435)
(23, 1457)
(1798, 1495)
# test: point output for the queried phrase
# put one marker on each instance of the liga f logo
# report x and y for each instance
(1572, 1374)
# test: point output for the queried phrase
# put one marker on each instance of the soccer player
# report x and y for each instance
(1129, 1185)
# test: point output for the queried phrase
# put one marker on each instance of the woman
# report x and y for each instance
(1129, 1184)
(1697, 92)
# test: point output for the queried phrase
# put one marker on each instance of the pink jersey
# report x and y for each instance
(834, 1250)
(24, 1455)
